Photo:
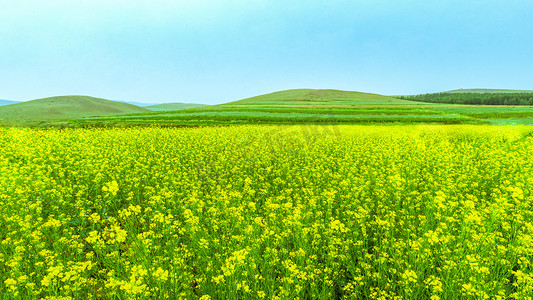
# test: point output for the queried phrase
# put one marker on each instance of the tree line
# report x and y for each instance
(474, 98)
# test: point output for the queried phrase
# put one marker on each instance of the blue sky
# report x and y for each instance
(218, 51)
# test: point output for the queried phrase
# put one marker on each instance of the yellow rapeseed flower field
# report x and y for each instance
(267, 212)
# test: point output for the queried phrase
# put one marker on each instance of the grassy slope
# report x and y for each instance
(63, 107)
(298, 107)
(305, 106)
(173, 106)
(308, 97)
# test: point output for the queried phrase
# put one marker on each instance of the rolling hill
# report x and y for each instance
(311, 97)
(300, 106)
(64, 107)
(173, 106)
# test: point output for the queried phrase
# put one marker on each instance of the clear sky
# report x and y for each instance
(218, 51)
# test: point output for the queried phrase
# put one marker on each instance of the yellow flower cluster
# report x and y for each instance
(268, 212)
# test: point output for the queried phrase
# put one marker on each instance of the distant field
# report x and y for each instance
(322, 107)
(173, 106)
(303, 106)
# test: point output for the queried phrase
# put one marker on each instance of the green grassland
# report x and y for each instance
(306, 97)
(306, 106)
(295, 107)
(173, 106)
(300, 106)
(63, 107)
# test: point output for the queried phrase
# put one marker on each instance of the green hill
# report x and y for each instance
(64, 107)
(307, 106)
(310, 97)
(301, 106)
(173, 106)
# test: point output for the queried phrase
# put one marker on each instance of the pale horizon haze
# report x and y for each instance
(218, 51)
